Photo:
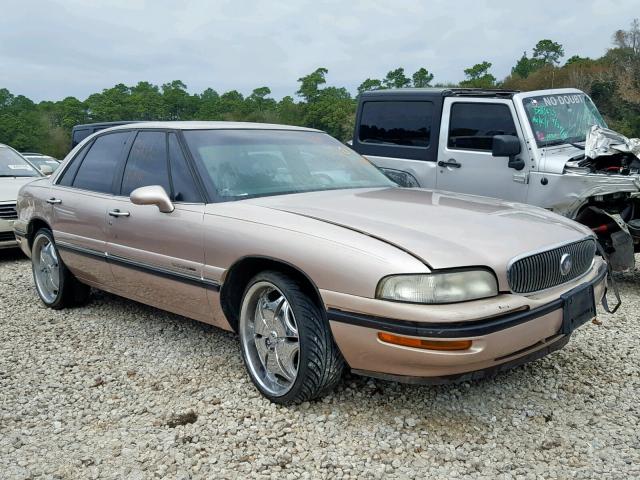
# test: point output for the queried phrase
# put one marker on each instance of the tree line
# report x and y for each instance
(613, 81)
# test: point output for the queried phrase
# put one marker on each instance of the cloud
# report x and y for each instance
(50, 50)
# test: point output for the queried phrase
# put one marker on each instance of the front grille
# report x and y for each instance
(6, 236)
(542, 270)
(8, 211)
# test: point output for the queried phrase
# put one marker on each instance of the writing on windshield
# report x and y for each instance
(561, 118)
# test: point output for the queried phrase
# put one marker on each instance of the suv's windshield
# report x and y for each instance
(13, 165)
(239, 164)
(561, 118)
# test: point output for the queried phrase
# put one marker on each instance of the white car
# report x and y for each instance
(15, 171)
(45, 163)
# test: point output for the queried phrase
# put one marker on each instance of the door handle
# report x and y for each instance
(117, 213)
(449, 163)
(54, 201)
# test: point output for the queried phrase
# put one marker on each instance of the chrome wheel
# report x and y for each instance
(269, 337)
(46, 268)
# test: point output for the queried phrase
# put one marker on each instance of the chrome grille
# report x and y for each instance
(8, 211)
(542, 270)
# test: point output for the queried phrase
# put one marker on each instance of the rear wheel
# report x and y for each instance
(55, 284)
(286, 344)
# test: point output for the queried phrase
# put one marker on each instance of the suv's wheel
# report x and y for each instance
(286, 344)
(55, 284)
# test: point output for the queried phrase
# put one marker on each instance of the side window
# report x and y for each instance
(79, 135)
(147, 163)
(184, 188)
(69, 174)
(396, 123)
(99, 165)
(473, 125)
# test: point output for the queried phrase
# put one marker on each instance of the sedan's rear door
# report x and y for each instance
(79, 200)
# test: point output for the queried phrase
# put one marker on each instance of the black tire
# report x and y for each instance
(320, 364)
(71, 292)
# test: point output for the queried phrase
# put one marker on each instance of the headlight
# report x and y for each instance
(439, 287)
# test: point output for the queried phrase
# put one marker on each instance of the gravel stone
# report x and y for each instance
(116, 389)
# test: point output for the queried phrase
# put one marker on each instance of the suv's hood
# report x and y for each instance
(9, 187)
(443, 229)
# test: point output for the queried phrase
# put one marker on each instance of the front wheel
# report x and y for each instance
(286, 343)
(55, 284)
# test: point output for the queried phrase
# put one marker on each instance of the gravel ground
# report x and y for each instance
(120, 390)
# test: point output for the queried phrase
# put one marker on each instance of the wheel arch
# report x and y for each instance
(236, 278)
(33, 226)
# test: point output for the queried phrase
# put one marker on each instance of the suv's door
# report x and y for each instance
(465, 161)
(158, 257)
(80, 197)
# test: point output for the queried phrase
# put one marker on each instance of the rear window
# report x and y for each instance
(99, 165)
(402, 123)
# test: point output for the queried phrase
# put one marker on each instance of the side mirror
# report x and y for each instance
(508, 146)
(46, 170)
(152, 195)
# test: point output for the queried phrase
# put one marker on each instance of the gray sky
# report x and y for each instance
(53, 49)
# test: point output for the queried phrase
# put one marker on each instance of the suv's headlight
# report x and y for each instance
(439, 287)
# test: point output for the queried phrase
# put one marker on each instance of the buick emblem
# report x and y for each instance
(566, 262)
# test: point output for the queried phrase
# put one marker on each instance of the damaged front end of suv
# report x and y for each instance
(586, 171)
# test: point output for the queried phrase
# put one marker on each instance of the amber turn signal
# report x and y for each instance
(442, 345)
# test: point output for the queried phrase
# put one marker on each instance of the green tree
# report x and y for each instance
(478, 76)
(178, 104)
(422, 78)
(548, 52)
(396, 79)
(526, 66)
(310, 84)
(369, 84)
(209, 105)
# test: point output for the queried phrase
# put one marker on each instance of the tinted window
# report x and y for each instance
(70, 172)
(397, 123)
(147, 163)
(99, 165)
(79, 135)
(473, 125)
(184, 188)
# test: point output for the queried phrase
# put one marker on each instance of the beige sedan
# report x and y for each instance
(315, 258)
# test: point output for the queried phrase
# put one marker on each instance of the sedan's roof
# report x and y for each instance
(197, 125)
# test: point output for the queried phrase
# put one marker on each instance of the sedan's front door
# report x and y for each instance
(157, 257)
(465, 160)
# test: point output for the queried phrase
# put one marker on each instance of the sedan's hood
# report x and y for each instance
(443, 229)
(9, 187)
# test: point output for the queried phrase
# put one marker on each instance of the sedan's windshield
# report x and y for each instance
(561, 118)
(13, 165)
(239, 164)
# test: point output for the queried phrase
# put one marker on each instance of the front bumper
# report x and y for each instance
(7, 238)
(529, 331)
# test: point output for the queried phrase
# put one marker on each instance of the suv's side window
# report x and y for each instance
(99, 164)
(396, 123)
(473, 125)
(184, 188)
(147, 163)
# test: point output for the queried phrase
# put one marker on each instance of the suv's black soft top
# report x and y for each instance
(441, 92)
